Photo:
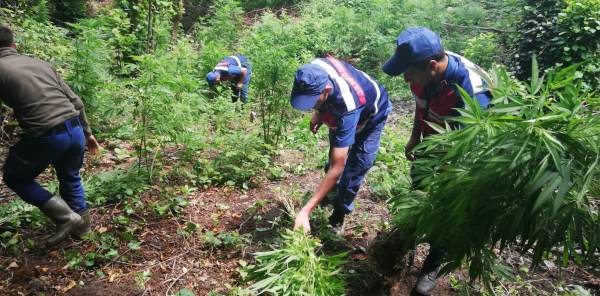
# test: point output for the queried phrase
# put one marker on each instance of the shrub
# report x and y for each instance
(33, 37)
(560, 32)
(273, 45)
(113, 186)
(241, 160)
(89, 67)
(219, 33)
(165, 101)
(517, 174)
(483, 49)
(150, 23)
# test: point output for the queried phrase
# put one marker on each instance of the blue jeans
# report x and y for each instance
(31, 156)
(243, 93)
(361, 157)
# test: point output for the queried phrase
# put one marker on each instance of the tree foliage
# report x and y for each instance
(560, 33)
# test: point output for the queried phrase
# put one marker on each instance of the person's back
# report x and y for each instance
(34, 91)
(355, 90)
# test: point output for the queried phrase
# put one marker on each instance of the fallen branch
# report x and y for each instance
(185, 270)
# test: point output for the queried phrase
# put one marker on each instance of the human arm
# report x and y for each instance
(415, 138)
(343, 137)
(336, 167)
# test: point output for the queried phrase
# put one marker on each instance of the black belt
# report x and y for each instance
(61, 128)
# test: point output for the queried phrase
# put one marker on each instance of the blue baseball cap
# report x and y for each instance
(414, 45)
(309, 83)
(211, 78)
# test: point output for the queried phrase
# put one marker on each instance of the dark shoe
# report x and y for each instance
(336, 220)
(65, 219)
(427, 282)
(84, 228)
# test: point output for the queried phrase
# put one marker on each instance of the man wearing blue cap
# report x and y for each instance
(434, 76)
(237, 69)
(355, 108)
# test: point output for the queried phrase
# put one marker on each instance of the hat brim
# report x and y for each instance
(395, 66)
(303, 102)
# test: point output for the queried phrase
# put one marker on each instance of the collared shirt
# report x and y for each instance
(437, 102)
(355, 102)
(39, 97)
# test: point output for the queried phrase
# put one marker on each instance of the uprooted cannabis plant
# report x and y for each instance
(515, 175)
(296, 269)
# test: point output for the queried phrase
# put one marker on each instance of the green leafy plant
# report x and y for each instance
(224, 240)
(115, 185)
(388, 177)
(483, 49)
(560, 32)
(272, 43)
(164, 103)
(33, 38)
(171, 205)
(184, 292)
(295, 269)
(105, 248)
(220, 32)
(189, 229)
(142, 277)
(241, 160)
(15, 215)
(89, 69)
(517, 174)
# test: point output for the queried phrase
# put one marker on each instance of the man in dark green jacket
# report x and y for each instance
(56, 132)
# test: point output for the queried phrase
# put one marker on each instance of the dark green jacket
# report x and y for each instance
(39, 97)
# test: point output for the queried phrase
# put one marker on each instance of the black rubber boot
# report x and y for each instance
(65, 219)
(84, 228)
(336, 220)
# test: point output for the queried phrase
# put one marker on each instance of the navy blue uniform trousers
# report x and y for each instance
(32, 155)
(361, 157)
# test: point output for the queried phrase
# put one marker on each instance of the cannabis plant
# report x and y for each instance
(296, 269)
(517, 174)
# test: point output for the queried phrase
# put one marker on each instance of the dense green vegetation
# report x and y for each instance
(517, 174)
(140, 69)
